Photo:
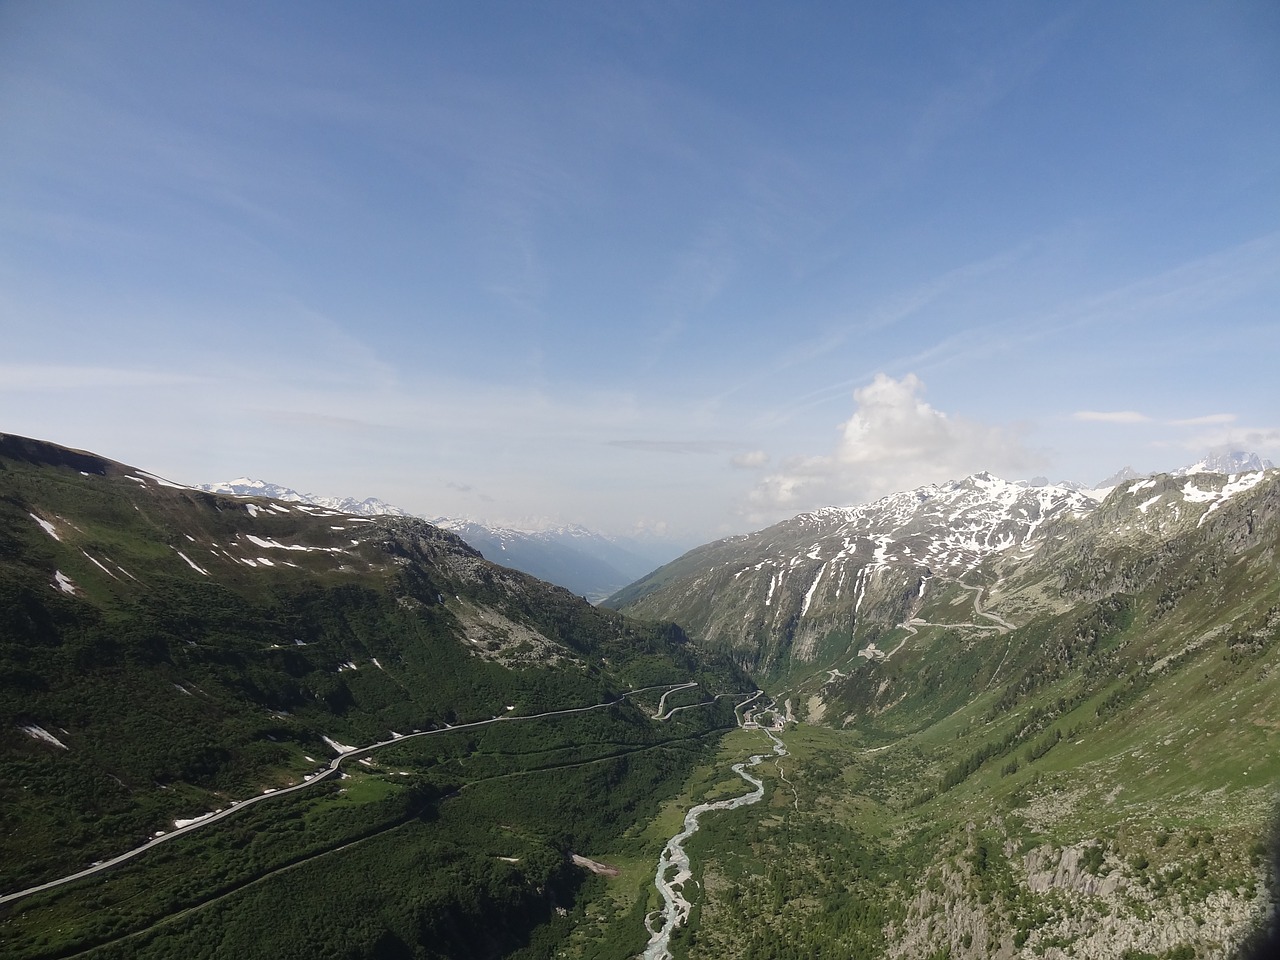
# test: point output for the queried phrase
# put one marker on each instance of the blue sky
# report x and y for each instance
(681, 267)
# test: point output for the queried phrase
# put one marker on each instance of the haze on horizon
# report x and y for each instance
(684, 269)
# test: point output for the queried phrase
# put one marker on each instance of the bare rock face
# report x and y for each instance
(1083, 905)
(1049, 869)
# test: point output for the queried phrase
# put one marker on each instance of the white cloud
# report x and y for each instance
(1110, 416)
(894, 441)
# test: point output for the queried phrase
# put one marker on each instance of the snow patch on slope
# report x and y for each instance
(46, 526)
(40, 733)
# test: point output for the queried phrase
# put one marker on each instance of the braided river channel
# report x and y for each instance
(673, 866)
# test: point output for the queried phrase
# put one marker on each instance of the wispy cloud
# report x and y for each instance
(673, 446)
(37, 377)
(963, 99)
(1260, 440)
(888, 312)
(1192, 289)
(1110, 416)
(1135, 416)
(322, 421)
(900, 307)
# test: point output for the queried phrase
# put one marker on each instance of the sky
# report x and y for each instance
(675, 269)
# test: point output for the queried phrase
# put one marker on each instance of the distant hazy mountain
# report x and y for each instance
(588, 563)
(1119, 477)
(1222, 461)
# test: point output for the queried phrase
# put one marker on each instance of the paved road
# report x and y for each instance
(657, 714)
(335, 766)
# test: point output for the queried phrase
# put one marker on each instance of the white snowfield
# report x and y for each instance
(277, 545)
(309, 503)
(1234, 485)
(192, 564)
(946, 529)
(99, 564)
(1201, 493)
(151, 477)
(957, 524)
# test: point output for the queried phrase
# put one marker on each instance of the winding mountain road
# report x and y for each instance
(335, 766)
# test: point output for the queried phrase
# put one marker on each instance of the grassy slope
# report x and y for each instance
(177, 691)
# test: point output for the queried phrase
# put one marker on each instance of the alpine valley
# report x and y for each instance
(1030, 720)
(322, 734)
(998, 720)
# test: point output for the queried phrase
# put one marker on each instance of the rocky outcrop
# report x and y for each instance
(1049, 869)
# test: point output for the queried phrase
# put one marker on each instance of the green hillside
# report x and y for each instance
(166, 653)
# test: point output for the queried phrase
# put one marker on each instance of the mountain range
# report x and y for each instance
(596, 566)
(1022, 720)
(170, 656)
(1069, 692)
(247, 487)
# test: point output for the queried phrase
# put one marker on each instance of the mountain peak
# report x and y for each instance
(1119, 477)
(249, 487)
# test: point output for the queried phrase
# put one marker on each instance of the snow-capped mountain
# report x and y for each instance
(1119, 477)
(570, 556)
(826, 584)
(248, 487)
(1221, 461)
(824, 573)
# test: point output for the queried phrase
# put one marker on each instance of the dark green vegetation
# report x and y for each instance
(450, 846)
(187, 650)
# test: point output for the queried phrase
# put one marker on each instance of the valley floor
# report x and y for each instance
(831, 865)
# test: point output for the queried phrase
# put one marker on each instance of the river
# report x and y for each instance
(676, 907)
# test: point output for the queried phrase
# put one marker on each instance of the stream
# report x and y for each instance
(661, 924)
